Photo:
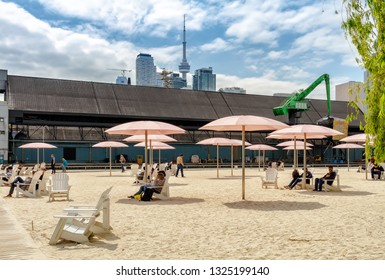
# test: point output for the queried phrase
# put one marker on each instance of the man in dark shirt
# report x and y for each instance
(328, 178)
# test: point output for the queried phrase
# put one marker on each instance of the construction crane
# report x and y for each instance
(123, 70)
(296, 103)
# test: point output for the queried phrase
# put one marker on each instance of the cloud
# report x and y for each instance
(264, 85)
(155, 17)
(217, 45)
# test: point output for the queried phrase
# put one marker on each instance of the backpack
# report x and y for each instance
(147, 194)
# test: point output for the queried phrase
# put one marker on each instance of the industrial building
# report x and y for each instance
(73, 115)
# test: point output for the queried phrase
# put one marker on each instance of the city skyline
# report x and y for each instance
(264, 47)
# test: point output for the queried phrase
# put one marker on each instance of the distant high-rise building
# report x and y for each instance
(204, 79)
(177, 81)
(184, 66)
(123, 80)
(145, 70)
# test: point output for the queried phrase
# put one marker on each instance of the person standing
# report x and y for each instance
(179, 165)
(122, 161)
(53, 163)
(64, 165)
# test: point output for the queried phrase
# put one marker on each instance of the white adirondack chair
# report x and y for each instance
(67, 228)
(165, 193)
(29, 190)
(58, 186)
(83, 212)
(270, 178)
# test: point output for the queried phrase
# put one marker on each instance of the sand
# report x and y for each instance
(207, 219)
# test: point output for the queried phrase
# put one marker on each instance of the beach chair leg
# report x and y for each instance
(58, 231)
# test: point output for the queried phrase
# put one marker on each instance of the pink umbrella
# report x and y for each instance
(219, 141)
(294, 148)
(360, 138)
(150, 138)
(305, 131)
(348, 146)
(110, 144)
(292, 143)
(146, 128)
(295, 137)
(215, 141)
(234, 143)
(261, 147)
(38, 146)
(156, 146)
(243, 123)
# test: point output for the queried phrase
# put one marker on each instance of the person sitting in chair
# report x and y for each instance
(26, 182)
(376, 169)
(156, 185)
(328, 177)
(298, 178)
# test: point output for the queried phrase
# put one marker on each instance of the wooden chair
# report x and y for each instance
(270, 179)
(165, 193)
(83, 212)
(59, 186)
(29, 190)
(67, 228)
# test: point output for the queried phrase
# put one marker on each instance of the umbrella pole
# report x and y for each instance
(348, 159)
(259, 160)
(304, 164)
(232, 149)
(38, 157)
(217, 161)
(159, 157)
(145, 156)
(263, 159)
(110, 162)
(295, 155)
(243, 162)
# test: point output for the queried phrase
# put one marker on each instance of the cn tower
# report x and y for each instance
(184, 67)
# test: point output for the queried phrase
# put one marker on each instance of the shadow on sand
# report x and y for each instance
(173, 201)
(277, 205)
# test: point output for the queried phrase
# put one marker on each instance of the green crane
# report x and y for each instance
(295, 104)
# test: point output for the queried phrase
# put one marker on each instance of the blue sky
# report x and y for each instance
(266, 47)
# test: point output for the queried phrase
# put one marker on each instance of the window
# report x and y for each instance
(69, 153)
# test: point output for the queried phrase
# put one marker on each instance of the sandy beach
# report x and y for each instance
(207, 219)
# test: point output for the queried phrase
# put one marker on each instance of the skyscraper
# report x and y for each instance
(145, 70)
(184, 66)
(204, 79)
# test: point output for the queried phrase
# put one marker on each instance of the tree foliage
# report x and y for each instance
(365, 25)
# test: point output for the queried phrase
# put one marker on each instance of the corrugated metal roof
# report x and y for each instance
(79, 97)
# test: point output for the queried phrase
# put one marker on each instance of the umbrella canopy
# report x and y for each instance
(292, 143)
(294, 148)
(110, 144)
(217, 141)
(261, 147)
(359, 138)
(145, 128)
(152, 137)
(349, 146)
(295, 137)
(243, 123)
(155, 145)
(305, 131)
(38, 146)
